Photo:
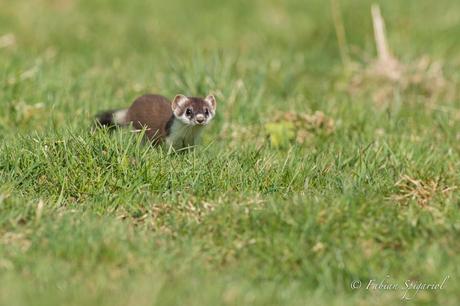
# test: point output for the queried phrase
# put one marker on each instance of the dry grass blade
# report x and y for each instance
(386, 65)
(410, 189)
(39, 211)
(340, 32)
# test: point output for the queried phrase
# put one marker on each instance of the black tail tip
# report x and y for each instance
(105, 119)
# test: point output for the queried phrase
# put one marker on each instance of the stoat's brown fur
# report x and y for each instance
(177, 124)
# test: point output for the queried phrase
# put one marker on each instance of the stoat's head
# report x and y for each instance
(194, 111)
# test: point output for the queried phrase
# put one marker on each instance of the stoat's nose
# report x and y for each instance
(199, 118)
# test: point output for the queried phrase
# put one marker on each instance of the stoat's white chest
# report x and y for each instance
(182, 135)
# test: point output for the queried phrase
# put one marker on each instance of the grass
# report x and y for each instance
(93, 218)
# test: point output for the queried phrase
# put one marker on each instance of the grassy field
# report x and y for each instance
(365, 188)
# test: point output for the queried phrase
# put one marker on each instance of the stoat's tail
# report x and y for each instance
(112, 118)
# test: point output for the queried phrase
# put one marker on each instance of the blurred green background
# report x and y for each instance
(81, 53)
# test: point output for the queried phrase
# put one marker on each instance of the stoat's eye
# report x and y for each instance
(188, 112)
(206, 112)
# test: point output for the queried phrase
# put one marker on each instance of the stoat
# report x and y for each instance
(178, 124)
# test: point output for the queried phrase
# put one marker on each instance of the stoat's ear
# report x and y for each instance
(211, 100)
(178, 101)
